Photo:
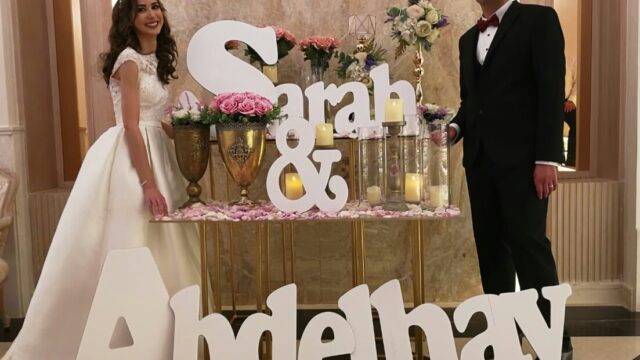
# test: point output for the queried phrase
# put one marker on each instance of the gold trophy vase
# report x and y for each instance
(192, 153)
(242, 149)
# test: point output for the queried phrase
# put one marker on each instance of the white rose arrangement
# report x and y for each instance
(417, 25)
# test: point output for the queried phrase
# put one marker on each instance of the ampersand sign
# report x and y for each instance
(314, 182)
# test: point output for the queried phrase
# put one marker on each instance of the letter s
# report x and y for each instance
(218, 71)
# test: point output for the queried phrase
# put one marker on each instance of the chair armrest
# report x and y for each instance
(5, 222)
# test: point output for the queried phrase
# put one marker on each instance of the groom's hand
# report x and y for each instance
(453, 134)
(545, 178)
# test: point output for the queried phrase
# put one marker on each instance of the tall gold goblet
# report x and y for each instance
(192, 153)
(242, 149)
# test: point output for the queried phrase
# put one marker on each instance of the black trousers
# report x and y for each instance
(509, 224)
(570, 119)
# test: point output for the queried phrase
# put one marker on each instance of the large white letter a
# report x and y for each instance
(130, 288)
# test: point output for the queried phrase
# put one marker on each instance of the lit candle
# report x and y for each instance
(412, 187)
(293, 186)
(437, 195)
(271, 71)
(324, 135)
(393, 110)
(374, 195)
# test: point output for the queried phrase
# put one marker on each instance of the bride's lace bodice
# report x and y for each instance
(153, 94)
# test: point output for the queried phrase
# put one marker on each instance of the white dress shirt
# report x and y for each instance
(486, 38)
(484, 43)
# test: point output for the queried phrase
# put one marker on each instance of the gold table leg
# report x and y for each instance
(418, 282)
(204, 283)
(358, 253)
(232, 265)
(292, 253)
(216, 282)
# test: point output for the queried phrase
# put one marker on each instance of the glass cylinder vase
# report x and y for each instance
(371, 174)
(435, 165)
(413, 174)
(310, 76)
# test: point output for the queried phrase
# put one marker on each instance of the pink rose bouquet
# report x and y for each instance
(244, 108)
(285, 41)
(319, 50)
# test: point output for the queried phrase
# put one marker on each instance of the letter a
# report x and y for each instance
(131, 288)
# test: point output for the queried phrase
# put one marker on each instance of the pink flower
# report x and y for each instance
(250, 95)
(289, 37)
(229, 106)
(238, 98)
(247, 107)
(279, 31)
(232, 44)
(325, 43)
(222, 97)
(214, 104)
(261, 108)
(267, 104)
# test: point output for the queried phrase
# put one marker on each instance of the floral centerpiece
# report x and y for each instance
(318, 50)
(435, 154)
(240, 108)
(417, 25)
(285, 41)
(357, 66)
(191, 140)
(241, 120)
(431, 113)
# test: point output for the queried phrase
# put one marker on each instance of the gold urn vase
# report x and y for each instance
(242, 149)
(192, 153)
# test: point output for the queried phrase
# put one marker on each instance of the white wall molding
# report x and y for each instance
(629, 141)
(19, 286)
(10, 130)
(599, 294)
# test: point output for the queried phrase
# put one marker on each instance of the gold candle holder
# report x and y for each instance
(418, 72)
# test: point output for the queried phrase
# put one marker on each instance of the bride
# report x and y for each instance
(128, 175)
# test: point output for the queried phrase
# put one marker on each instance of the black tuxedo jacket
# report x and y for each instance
(512, 106)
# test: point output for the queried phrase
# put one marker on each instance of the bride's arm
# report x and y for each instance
(168, 129)
(128, 76)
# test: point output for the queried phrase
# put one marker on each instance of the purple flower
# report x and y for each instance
(413, 2)
(443, 22)
(369, 62)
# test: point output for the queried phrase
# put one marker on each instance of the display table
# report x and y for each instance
(264, 215)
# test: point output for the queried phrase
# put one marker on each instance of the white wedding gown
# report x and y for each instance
(105, 211)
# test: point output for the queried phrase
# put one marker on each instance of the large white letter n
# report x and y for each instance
(130, 295)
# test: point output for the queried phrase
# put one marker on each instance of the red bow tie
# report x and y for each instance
(484, 24)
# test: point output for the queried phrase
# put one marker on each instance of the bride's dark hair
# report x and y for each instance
(123, 35)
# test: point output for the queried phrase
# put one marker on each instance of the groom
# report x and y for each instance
(512, 71)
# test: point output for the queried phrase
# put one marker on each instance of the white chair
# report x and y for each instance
(8, 189)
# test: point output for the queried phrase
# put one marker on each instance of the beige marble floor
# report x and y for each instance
(594, 348)
(585, 348)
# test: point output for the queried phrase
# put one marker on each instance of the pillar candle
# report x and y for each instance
(324, 135)
(271, 71)
(437, 195)
(393, 110)
(412, 187)
(293, 186)
(374, 195)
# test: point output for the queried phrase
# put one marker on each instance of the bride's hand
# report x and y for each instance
(155, 201)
